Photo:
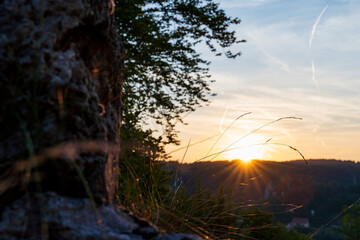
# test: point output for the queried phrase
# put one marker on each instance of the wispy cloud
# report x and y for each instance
(341, 32)
(310, 45)
(316, 24)
(314, 76)
(275, 60)
(270, 52)
(222, 120)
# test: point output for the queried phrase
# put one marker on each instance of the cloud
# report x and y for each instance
(316, 24)
(281, 43)
(275, 60)
(314, 76)
(340, 32)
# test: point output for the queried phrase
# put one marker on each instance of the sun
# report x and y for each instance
(246, 154)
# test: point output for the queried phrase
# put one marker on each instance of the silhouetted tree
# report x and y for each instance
(165, 75)
(351, 224)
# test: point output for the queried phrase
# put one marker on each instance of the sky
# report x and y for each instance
(301, 59)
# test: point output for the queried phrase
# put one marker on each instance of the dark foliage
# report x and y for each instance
(165, 75)
(350, 223)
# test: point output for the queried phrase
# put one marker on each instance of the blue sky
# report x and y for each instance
(281, 74)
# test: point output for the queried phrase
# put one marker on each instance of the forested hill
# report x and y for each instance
(322, 188)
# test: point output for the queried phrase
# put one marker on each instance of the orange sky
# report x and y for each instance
(270, 142)
(301, 59)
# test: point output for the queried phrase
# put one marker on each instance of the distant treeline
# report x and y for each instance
(317, 191)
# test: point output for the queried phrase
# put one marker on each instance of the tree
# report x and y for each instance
(165, 76)
(351, 224)
(258, 224)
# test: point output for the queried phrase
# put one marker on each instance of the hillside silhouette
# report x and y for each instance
(317, 191)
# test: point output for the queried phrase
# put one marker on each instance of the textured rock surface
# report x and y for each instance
(61, 75)
(50, 216)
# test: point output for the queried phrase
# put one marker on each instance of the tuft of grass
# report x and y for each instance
(144, 188)
(19, 175)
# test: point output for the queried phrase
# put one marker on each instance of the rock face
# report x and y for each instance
(61, 68)
(51, 216)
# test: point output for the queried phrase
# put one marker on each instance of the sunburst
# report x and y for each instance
(246, 154)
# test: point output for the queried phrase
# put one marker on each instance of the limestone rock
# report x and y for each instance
(61, 66)
(50, 216)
